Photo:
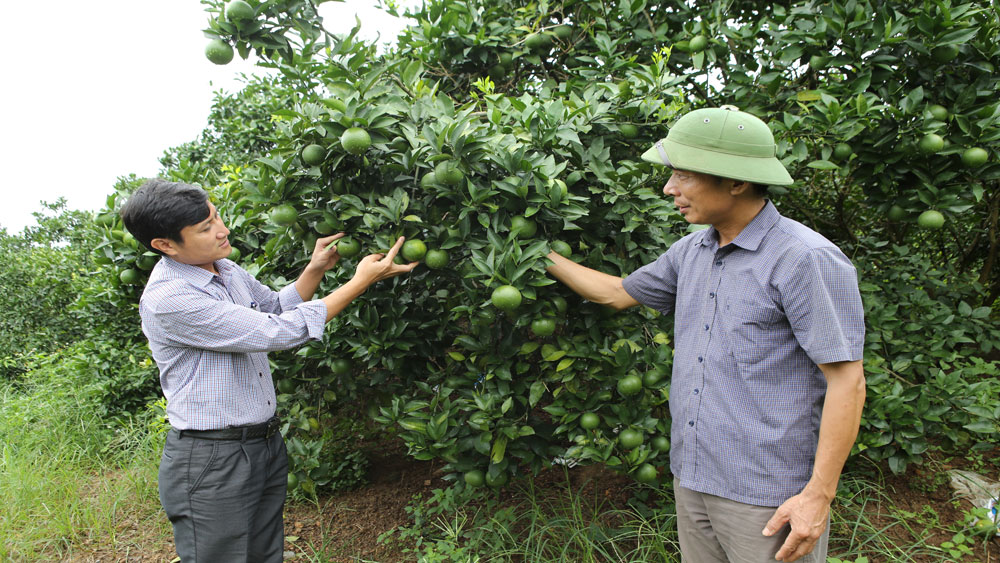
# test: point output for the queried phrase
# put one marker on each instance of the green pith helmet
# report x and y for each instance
(723, 142)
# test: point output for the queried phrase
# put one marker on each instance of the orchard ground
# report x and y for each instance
(917, 512)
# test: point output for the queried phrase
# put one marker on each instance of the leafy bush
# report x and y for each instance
(44, 270)
(477, 125)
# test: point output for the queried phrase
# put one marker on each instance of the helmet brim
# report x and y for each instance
(759, 170)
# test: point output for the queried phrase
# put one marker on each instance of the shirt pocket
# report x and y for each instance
(752, 323)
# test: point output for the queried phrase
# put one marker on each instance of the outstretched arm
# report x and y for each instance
(590, 284)
(371, 269)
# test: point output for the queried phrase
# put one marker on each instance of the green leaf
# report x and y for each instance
(823, 165)
(536, 392)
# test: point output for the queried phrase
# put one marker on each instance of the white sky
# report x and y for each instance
(97, 90)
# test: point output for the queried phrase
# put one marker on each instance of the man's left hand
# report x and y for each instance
(808, 515)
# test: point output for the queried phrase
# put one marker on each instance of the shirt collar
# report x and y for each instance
(751, 235)
(194, 274)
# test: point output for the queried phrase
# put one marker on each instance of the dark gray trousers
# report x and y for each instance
(225, 497)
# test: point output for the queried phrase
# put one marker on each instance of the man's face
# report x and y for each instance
(203, 243)
(702, 199)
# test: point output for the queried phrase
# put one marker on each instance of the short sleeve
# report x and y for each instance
(823, 305)
(655, 284)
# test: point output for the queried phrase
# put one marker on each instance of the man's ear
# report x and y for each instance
(740, 187)
(164, 245)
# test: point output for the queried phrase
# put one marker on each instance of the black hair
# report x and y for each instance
(160, 209)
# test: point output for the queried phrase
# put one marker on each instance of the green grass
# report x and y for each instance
(74, 485)
(71, 482)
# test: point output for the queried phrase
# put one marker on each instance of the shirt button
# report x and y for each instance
(718, 262)
(701, 359)
(695, 391)
(711, 295)
(690, 423)
(261, 374)
(269, 402)
(706, 327)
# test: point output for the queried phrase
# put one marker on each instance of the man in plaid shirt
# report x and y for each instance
(210, 325)
(767, 385)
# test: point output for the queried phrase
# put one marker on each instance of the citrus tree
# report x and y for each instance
(498, 131)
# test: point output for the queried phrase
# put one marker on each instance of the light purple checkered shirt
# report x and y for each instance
(751, 322)
(210, 335)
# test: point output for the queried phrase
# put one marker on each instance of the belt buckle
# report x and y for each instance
(272, 427)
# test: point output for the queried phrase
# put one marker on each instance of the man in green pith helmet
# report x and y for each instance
(767, 386)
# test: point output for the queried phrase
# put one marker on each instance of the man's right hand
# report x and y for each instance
(377, 267)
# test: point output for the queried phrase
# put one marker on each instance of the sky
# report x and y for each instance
(99, 90)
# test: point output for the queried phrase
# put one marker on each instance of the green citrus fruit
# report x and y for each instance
(628, 130)
(428, 180)
(348, 247)
(523, 227)
(897, 213)
(629, 385)
(219, 52)
(340, 367)
(284, 215)
(355, 140)
(498, 481)
(661, 444)
(651, 377)
(414, 250)
(698, 43)
(286, 385)
(931, 143)
(563, 32)
(238, 10)
(561, 248)
(538, 42)
(448, 173)
(506, 59)
(590, 421)
(506, 298)
(474, 478)
(944, 53)
(235, 254)
(543, 327)
(931, 219)
(938, 112)
(985, 527)
(975, 157)
(313, 155)
(129, 277)
(630, 439)
(842, 152)
(324, 228)
(293, 481)
(497, 73)
(646, 473)
(436, 259)
(147, 261)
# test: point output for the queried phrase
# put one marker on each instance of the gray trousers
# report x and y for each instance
(225, 497)
(713, 529)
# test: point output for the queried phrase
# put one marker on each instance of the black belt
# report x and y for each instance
(262, 430)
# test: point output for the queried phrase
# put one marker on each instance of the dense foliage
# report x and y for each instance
(489, 118)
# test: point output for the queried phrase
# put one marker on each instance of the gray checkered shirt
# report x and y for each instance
(210, 335)
(751, 322)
